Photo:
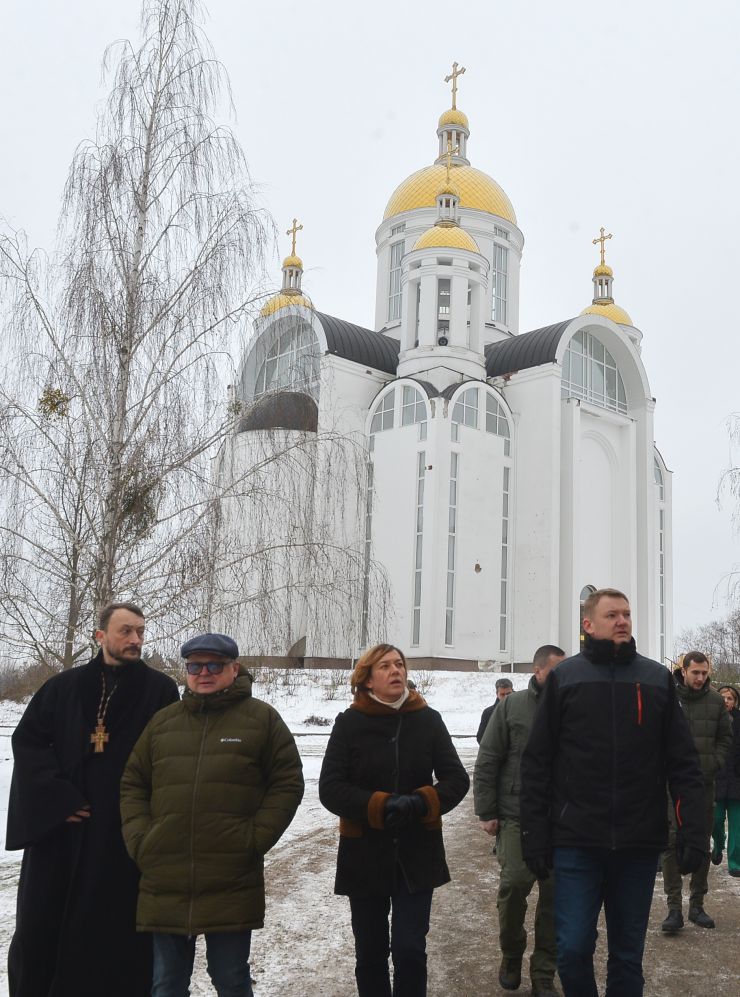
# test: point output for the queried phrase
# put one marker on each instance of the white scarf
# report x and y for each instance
(397, 704)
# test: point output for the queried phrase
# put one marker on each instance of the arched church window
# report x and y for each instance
(383, 414)
(414, 410)
(586, 591)
(465, 412)
(291, 362)
(590, 372)
(497, 423)
(658, 471)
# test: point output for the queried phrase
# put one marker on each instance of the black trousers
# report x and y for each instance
(406, 943)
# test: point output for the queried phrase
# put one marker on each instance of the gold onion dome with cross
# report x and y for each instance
(290, 294)
(476, 190)
(603, 301)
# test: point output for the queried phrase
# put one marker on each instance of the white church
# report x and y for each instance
(505, 474)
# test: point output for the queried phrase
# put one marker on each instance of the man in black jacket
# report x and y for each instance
(608, 736)
(75, 931)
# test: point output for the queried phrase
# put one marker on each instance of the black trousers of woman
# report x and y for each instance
(406, 942)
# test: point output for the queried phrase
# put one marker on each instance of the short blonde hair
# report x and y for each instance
(361, 671)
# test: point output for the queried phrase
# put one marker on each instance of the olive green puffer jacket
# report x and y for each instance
(210, 786)
(709, 723)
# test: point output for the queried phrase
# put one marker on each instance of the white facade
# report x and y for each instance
(461, 485)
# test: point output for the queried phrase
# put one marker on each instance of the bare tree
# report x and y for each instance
(112, 398)
(720, 640)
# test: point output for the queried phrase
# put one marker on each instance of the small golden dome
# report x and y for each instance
(283, 300)
(447, 238)
(478, 192)
(454, 117)
(603, 270)
(612, 311)
(293, 261)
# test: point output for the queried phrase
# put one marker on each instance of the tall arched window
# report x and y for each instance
(590, 372)
(291, 362)
(660, 488)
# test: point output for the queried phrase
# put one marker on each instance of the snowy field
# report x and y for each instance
(459, 696)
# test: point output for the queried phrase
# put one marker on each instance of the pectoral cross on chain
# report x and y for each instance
(99, 738)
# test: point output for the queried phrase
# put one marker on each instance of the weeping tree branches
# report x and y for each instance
(112, 399)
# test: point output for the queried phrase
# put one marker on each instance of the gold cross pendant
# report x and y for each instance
(99, 738)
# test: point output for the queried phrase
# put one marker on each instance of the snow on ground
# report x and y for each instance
(301, 697)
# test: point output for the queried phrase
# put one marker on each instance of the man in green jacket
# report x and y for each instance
(711, 729)
(496, 788)
(211, 785)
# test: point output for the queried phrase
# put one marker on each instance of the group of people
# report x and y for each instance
(145, 818)
(571, 777)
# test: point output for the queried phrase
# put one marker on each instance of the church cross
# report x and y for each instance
(602, 239)
(294, 230)
(452, 150)
(453, 76)
(99, 738)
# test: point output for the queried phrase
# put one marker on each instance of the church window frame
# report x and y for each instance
(394, 280)
(464, 412)
(383, 417)
(590, 372)
(500, 283)
(292, 361)
(414, 409)
(497, 422)
(452, 520)
(418, 548)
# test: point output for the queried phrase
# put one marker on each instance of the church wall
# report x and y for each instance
(534, 397)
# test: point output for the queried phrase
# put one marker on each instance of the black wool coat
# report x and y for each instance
(75, 923)
(727, 783)
(373, 752)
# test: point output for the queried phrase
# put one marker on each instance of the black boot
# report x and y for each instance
(510, 974)
(700, 917)
(673, 923)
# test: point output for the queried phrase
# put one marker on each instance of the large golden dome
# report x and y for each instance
(612, 311)
(447, 237)
(477, 191)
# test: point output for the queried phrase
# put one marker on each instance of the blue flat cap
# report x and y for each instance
(211, 644)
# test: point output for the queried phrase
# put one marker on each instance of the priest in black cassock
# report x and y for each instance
(75, 933)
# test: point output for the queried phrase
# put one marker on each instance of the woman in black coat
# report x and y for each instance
(727, 791)
(378, 777)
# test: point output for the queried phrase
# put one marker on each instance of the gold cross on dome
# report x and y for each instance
(293, 231)
(453, 76)
(602, 239)
(452, 150)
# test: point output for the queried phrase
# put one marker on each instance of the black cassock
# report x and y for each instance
(75, 930)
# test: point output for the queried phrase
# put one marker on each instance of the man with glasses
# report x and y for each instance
(210, 787)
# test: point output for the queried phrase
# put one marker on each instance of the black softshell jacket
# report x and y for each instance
(608, 737)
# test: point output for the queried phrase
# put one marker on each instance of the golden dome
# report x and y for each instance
(454, 117)
(477, 191)
(603, 270)
(452, 237)
(449, 188)
(283, 300)
(612, 311)
(293, 261)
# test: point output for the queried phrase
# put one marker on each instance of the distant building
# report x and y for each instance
(507, 473)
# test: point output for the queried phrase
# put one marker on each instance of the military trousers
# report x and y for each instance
(672, 879)
(515, 885)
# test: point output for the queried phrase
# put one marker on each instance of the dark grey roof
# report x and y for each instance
(530, 349)
(362, 346)
(431, 391)
(281, 410)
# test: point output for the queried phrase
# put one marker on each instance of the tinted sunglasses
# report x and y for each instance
(212, 667)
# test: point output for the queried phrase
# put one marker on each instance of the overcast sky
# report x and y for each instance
(623, 115)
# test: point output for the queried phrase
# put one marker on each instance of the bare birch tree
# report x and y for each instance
(112, 397)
